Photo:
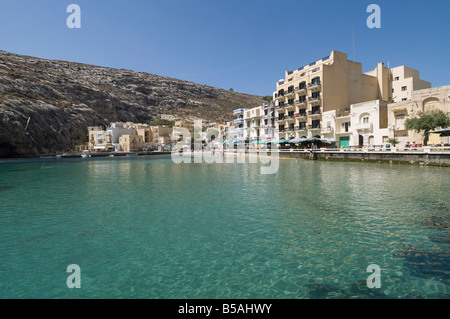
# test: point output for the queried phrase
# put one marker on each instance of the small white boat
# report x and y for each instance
(85, 155)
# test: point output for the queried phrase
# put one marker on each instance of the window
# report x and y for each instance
(397, 78)
(393, 90)
(404, 99)
(365, 119)
(399, 120)
(404, 88)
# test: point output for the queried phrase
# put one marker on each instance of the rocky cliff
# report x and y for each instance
(46, 105)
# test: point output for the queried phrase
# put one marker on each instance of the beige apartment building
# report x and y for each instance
(421, 101)
(97, 136)
(404, 82)
(161, 134)
(179, 131)
(332, 83)
(131, 143)
(335, 83)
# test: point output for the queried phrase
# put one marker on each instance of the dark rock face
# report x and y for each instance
(46, 106)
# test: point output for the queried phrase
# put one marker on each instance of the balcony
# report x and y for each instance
(239, 121)
(314, 100)
(290, 93)
(300, 128)
(279, 97)
(281, 119)
(289, 129)
(314, 86)
(327, 130)
(288, 106)
(268, 116)
(237, 112)
(300, 102)
(314, 113)
(300, 115)
(290, 118)
(300, 90)
(314, 127)
(364, 127)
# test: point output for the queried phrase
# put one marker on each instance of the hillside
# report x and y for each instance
(59, 100)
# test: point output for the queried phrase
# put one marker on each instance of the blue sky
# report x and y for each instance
(241, 44)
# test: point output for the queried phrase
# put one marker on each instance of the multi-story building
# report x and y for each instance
(116, 130)
(269, 121)
(421, 101)
(405, 80)
(226, 130)
(179, 130)
(161, 134)
(145, 131)
(252, 123)
(97, 136)
(332, 83)
(131, 143)
(369, 124)
(315, 100)
(238, 131)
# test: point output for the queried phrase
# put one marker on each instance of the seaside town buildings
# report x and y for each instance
(128, 137)
(330, 99)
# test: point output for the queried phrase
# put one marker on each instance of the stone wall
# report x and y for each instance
(432, 158)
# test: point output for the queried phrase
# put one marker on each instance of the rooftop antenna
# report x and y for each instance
(353, 36)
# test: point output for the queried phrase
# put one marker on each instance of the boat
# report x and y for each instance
(85, 155)
(132, 154)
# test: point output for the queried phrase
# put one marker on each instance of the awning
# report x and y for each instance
(443, 132)
(329, 140)
(313, 140)
(282, 141)
(297, 140)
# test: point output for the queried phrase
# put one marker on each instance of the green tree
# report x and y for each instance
(162, 122)
(231, 90)
(393, 141)
(267, 98)
(428, 121)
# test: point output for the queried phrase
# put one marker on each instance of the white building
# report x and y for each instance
(115, 131)
(268, 122)
(252, 123)
(369, 124)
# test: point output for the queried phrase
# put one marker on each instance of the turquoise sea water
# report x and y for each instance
(145, 227)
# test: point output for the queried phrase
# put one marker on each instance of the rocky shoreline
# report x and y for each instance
(47, 105)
